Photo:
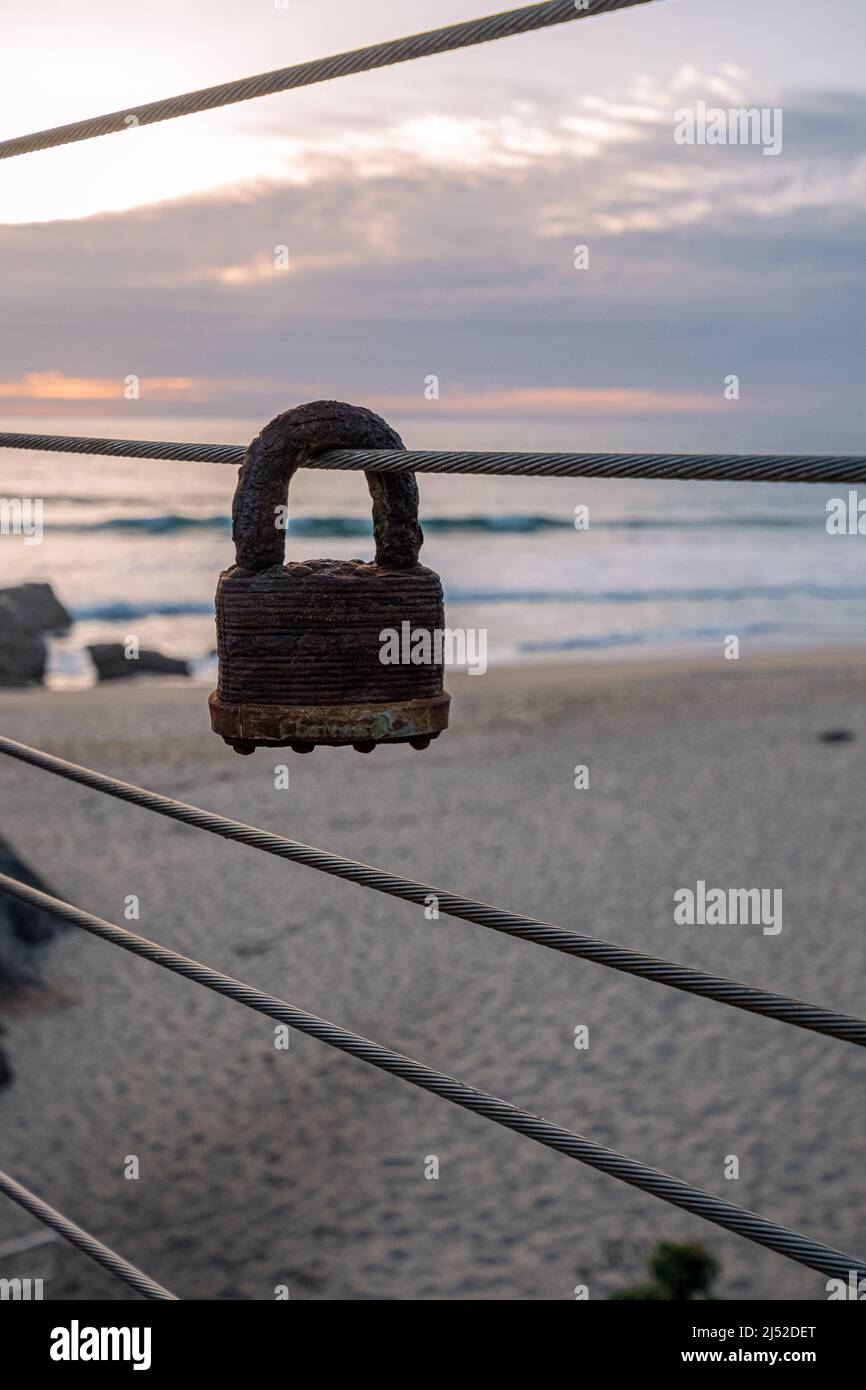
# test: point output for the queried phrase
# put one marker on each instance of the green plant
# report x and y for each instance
(680, 1272)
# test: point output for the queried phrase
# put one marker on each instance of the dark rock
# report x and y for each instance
(5, 1068)
(21, 926)
(37, 607)
(22, 653)
(26, 613)
(22, 929)
(836, 736)
(112, 664)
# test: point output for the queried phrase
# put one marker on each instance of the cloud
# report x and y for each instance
(445, 243)
(57, 386)
(568, 402)
(61, 394)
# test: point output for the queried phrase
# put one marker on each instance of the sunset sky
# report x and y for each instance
(431, 213)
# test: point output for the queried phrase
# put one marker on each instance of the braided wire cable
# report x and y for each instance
(378, 55)
(88, 1244)
(781, 1239)
(813, 1017)
(124, 448)
(755, 468)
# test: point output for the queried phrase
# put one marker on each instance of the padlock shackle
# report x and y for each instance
(287, 444)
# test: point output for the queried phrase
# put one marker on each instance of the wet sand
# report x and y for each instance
(307, 1169)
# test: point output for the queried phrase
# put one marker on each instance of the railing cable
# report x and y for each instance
(813, 1017)
(125, 448)
(378, 55)
(81, 1239)
(755, 468)
(781, 1239)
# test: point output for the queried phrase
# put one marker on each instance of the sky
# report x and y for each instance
(430, 215)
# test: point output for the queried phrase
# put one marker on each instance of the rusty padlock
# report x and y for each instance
(299, 644)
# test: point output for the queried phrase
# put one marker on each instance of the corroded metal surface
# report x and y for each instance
(301, 645)
(290, 441)
(401, 721)
(310, 632)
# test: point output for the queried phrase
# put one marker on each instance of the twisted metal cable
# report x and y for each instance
(755, 468)
(813, 1017)
(378, 55)
(781, 1239)
(125, 448)
(88, 1244)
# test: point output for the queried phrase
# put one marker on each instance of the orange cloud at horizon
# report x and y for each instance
(57, 386)
(559, 401)
(57, 393)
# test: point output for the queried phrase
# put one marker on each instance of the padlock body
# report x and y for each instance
(300, 654)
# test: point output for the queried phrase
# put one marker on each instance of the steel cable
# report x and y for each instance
(813, 1017)
(82, 1240)
(680, 1194)
(378, 55)
(125, 448)
(756, 468)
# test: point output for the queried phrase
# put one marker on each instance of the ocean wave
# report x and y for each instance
(325, 527)
(121, 610)
(651, 636)
(506, 525)
(666, 595)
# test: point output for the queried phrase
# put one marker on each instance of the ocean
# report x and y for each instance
(135, 548)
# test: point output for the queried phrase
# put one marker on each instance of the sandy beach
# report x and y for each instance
(261, 1168)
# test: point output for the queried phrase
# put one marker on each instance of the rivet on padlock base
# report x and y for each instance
(299, 644)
